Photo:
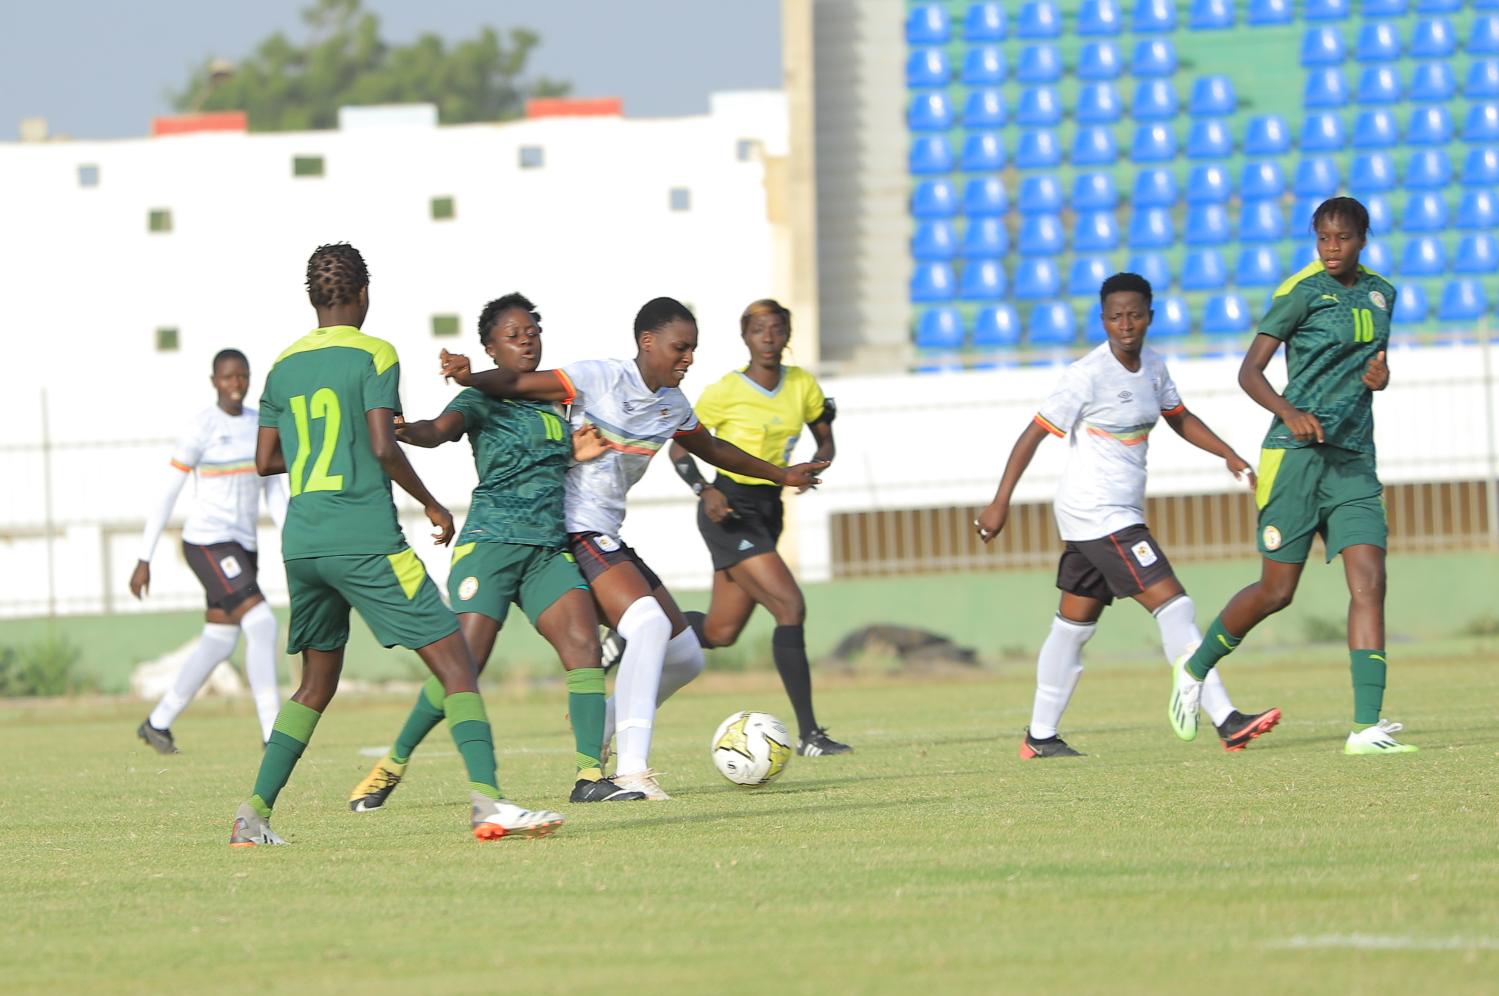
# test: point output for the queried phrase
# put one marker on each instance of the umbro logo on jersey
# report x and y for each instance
(1125, 395)
(745, 544)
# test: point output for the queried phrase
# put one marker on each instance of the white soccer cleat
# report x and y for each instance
(1186, 699)
(1377, 739)
(496, 818)
(643, 781)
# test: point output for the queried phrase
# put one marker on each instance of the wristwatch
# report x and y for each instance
(698, 486)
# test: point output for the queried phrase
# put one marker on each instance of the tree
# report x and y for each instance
(287, 85)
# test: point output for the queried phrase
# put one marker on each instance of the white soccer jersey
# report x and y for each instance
(634, 422)
(1107, 413)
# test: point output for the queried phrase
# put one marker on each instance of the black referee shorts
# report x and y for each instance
(753, 529)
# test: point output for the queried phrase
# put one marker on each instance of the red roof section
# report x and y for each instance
(574, 107)
(186, 124)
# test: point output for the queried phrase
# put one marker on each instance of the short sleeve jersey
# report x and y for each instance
(522, 451)
(316, 397)
(766, 424)
(1331, 333)
(1106, 412)
(219, 449)
(635, 423)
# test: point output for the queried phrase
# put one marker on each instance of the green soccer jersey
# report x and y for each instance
(316, 397)
(522, 450)
(1331, 333)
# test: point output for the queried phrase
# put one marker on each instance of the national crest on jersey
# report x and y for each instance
(522, 450)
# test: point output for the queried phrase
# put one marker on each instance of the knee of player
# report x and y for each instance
(1367, 585)
(645, 618)
(1275, 597)
(790, 609)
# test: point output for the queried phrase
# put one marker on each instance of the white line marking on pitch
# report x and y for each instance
(1388, 942)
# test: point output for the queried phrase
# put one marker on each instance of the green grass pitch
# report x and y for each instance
(931, 860)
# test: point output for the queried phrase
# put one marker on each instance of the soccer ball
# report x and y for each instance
(751, 748)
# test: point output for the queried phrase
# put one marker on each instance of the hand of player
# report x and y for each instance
(1304, 426)
(802, 491)
(443, 520)
(588, 443)
(803, 475)
(1240, 469)
(715, 506)
(400, 424)
(1377, 373)
(455, 367)
(140, 579)
(991, 521)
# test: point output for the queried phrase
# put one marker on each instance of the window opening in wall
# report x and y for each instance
(307, 166)
(443, 209)
(88, 175)
(532, 157)
(166, 340)
(159, 220)
(681, 199)
(444, 325)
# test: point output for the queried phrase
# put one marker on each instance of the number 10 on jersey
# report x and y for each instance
(1363, 325)
(324, 407)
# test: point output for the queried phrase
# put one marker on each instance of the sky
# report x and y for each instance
(102, 69)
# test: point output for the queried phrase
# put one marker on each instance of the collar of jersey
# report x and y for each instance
(752, 383)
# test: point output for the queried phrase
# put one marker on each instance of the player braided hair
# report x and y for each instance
(335, 275)
(660, 311)
(1126, 283)
(494, 309)
(1348, 209)
(765, 306)
(225, 355)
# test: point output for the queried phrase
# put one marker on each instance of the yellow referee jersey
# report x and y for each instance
(763, 423)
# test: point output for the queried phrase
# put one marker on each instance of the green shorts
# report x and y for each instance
(492, 575)
(393, 594)
(1321, 490)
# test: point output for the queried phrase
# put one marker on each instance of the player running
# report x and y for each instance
(219, 544)
(1106, 405)
(1317, 473)
(513, 550)
(328, 412)
(637, 406)
(761, 409)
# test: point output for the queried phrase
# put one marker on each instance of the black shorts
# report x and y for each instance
(596, 553)
(753, 529)
(227, 572)
(1118, 566)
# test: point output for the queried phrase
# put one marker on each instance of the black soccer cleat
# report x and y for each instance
(611, 649)
(817, 743)
(602, 790)
(160, 740)
(1238, 729)
(1053, 746)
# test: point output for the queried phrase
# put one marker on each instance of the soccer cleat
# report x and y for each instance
(611, 649)
(377, 785)
(1186, 697)
(1053, 746)
(496, 818)
(251, 829)
(602, 790)
(161, 740)
(643, 782)
(1377, 739)
(1238, 729)
(817, 743)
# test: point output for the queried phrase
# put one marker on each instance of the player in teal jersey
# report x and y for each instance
(327, 419)
(1317, 473)
(513, 549)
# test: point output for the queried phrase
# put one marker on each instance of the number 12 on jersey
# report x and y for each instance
(324, 407)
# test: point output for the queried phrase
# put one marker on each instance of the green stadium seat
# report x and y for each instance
(1423, 257)
(1097, 103)
(1482, 124)
(1039, 19)
(1477, 253)
(1039, 106)
(1209, 139)
(1094, 192)
(1482, 81)
(1153, 17)
(1381, 214)
(984, 22)
(984, 65)
(929, 154)
(997, 326)
(1052, 324)
(1433, 38)
(1041, 63)
(1375, 130)
(1463, 300)
(1371, 173)
(1209, 184)
(1095, 231)
(1411, 307)
(1038, 150)
(1204, 269)
(985, 197)
(929, 111)
(1155, 100)
(1379, 85)
(1483, 35)
(1270, 12)
(983, 152)
(1154, 188)
(1316, 176)
(1481, 168)
(1042, 235)
(985, 238)
(1153, 58)
(984, 109)
(926, 24)
(1151, 228)
(939, 328)
(1225, 314)
(1322, 47)
(983, 280)
(1099, 60)
(1257, 267)
(1322, 133)
(1378, 41)
(1099, 17)
(1153, 266)
(1428, 169)
(928, 67)
(1087, 274)
(1153, 143)
(1429, 126)
(1037, 278)
(1206, 225)
(1172, 319)
(934, 240)
(1212, 97)
(1093, 145)
(1325, 10)
(1261, 221)
(1261, 179)
(933, 282)
(934, 199)
(1210, 15)
(1424, 212)
(1376, 257)
(1040, 195)
(1433, 82)
(1325, 87)
(1478, 211)
(1267, 135)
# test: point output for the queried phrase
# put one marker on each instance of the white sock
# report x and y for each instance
(646, 631)
(216, 644)
(1058, 667)
(684, 661)
(1179, 637)
(261, 650)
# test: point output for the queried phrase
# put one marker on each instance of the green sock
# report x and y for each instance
(425, 715)
(469, 724)
(1368, 667)
(585, 707)
(294, 725)
(1216, 644)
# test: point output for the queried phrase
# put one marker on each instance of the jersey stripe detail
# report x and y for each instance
(181, 466)
(617, 439)
(1133, 436)
(226, 469)
(1174, 411)
(409, 570)
(382, 353)
(567, 385)
(1289, 284)
(1049, 427)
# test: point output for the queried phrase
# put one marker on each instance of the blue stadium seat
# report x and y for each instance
(1152, 266)
(1153, 58)
(1267, 135)
(983, 280)
(928, 67)
(985, 238)
(1463, 300)
(1153, 143)
(1206, 225)
(983, 152)
(1094, 192)
(1172, 319)
(933, 282)
(1433, 82)
(1039, 105)
(1151, 228)
(1097, 103)
(1483, 35)
(939, 328)
(1040, 63)
(1270, 12)
(926, 24)
(1099, 61)
(1303, 256)
(1482, 124)
(984, 65)
(1383, 8)
(1209, 139)
(1381, 215)
(1423, 257)
(985, 197)
(934, 240)
(985, 22)
(1260, 221)
(984, 109)
(1154, 100)
(1209, 184)
(1316, 176)
(1038, 150)
(1257, 267)
(1302, 211)
(1486, 4)
(1325, 10)
(1039, 19)
(1428, 169)
(1262, 179)
(1411, 307)
(1371, 173)
(997, 326)
(1481, 168)
(1093, 330)
(1036, 278)
(1154, 17)
(1204, 269)
(929, 111)
(1212, 97)
(1040, 195)
(1093, 145)
(929, 154)
(1379, 85)
(1439, 6)
(1154, 188)
(1477, 253)
(1325, 87)
(1378, 41)
(1376, 257)
(1225, 314)
(1041, 235)
(1210, 15)
(1375, 130)
(1322, 133)
(1429, 126)
(1095, 231)
(1087, 274)
(1052, 324)
(1322, 47)
(1099, 17)
(1424, 212)
(934, 199)
(1434, 38)
(1478, 211)
(1482, 80)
